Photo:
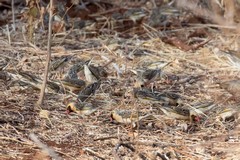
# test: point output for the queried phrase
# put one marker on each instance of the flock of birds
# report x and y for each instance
(168, 102)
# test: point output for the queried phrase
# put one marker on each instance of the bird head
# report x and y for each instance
(71, 107)
(195, 118)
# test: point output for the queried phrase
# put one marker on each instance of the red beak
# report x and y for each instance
(67, 112)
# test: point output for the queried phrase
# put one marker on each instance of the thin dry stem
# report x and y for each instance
(42, 93)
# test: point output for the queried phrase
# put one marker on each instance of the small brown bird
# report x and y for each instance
(37, 82)
(54, 86)
(58, 62)
(132, 117)
(201, 108)
(167, 98)
(144, 95)
(145, 77)
(72, 72)
(176, 113)
(126, 116)
(123, 116)
(99, 72)
(73, 85)
(151, 74)
(87, 91)
(194, 113)
(81, 108)
(30, 76)
(233, 87)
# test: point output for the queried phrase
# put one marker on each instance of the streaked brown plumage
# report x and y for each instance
(57, 63)
(167, 98)
(202, 107)
(99, 72)
(81, 108)
(72, 72)
(37, 82)
(87, 91)
(126, 116)
(176, 112)
(73, 84)
(146, 76)
(134, 118)
(151, 74)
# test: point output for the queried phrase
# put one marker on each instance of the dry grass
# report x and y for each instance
(85, 137)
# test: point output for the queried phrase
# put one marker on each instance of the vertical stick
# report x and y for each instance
(9, 36)
(13, 16)
(42, 93)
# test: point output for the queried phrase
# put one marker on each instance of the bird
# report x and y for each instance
(29, 76)
(232, 86)
(125, 116)
(144, 95)
(176, 112)
(37, 82)
(99, 72)
(167, 98)
(81, 108)
(54, 86)
(201, 108)
(72, 72)
(192, 113)
(147, 76)
(88, 90)
(57, 63)
(134, 118)
(151, 74)
(73, 85)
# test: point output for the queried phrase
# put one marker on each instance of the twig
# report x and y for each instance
(62, 153)
(44, 147)
(92, 153)
(9, 37)
(42, 93)
(13, 16)
(109, 62)
(105, 138)
(15, 140)
(109, 50)
(155, 144)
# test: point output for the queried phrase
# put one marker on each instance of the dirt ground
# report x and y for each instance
(26, 132)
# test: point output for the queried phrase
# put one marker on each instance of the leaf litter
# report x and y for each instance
(189, 62)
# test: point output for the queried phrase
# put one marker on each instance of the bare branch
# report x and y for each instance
(42, 93)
